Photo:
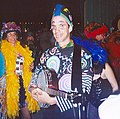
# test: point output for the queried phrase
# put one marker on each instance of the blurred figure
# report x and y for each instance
(45, 38)
(116, 24)
(29, 39)
(104, 81)
(96, 32)
(113, 47)
(110, 108)
(18, 74)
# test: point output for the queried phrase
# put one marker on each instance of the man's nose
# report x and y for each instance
(57, 29)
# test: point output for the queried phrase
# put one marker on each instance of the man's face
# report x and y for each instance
(60, 29)
(12, 37)
(30, 38)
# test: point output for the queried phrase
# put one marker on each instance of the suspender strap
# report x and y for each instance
(76, 79)
(76, 82)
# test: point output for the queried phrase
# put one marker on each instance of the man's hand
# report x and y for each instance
(42, 96)
(34, 93)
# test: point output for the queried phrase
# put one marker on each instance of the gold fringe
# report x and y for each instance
(12, 82)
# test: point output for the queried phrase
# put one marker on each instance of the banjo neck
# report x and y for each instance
(54, 92)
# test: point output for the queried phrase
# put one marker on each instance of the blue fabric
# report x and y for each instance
(57, 11)
(2, 65)
(98, 53)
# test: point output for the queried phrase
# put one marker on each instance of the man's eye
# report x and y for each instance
(61, 25)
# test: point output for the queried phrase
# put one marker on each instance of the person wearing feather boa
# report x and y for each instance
(18, 73)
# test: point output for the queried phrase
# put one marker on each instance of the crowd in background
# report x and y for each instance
(40, 41)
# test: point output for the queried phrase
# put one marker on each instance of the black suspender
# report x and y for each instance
(76, 79)
(76, 82)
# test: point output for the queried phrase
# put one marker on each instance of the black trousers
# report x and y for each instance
(53, 112)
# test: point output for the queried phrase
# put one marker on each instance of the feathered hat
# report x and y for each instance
(9, 27)
(61, 10)
(93, 29)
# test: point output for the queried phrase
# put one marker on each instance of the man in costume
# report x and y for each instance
(71, 67)
(18, 73)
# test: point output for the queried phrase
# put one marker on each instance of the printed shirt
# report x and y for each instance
(60, 60)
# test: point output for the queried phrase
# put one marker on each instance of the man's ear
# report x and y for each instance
(70, 28)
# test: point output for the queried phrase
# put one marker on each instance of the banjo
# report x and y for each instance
(44, 82)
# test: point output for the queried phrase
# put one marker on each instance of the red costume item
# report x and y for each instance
(113, 45)
(96, 32)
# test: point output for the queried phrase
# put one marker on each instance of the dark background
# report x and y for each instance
(34, 10)
(40, 11)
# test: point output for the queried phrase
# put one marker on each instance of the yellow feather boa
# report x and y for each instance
(12, 82)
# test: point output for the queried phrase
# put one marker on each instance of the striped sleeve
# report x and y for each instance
(87, 71)
(63, 104)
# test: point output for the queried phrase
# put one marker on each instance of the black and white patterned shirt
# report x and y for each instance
(60, 60)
